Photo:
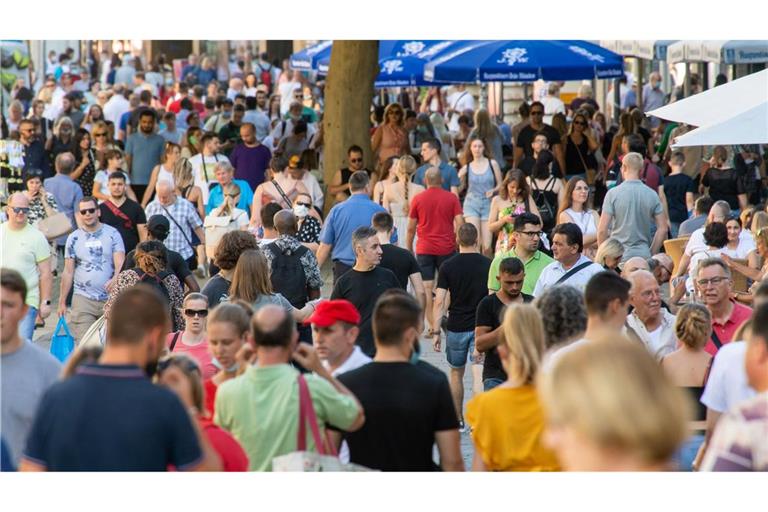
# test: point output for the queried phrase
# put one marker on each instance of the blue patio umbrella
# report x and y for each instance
(524, 61)
(306, 59)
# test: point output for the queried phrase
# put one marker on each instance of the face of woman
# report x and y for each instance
(224, 342)
(580, 192)
(33, 186)
(195, 323)
(477, 147)
(579, 124)
(613, 262)
(250, 80)
(39, 109)
(512, 189)
(733, 230)
(175, 380)
(85, 142)
(95, 112)
(173, 155)
(65, 130)
(394, 116)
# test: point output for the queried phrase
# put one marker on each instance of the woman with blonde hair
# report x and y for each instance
(688, 368)
(610, 407)
(399, 194)
(184, 183)
(508, 422)
(391, 138)
(101, 144)
(251, 283)
(94, 115)
(609, 255)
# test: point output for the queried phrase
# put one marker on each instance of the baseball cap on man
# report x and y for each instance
(159, 226)
(328, 312)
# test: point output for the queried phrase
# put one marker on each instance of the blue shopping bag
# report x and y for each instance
(62, 344)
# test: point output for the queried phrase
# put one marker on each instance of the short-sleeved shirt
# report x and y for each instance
(145, 151)
(94, 263)
(489, 314)
(183, 219)
(250, 163)
(400, 261)
(363, 290)
(527, 134)
(400, 423)
(26, 374)
(217, 290)
(724, 185)
(727, 384)
(343, 219)
(261, 410)
(676, 187)
(68, 195)
(128, 229)
(216, 197)
(22, 250)
(434, 211)
(633, 207)
(553, 272)
(447, 171)
(132, 424)
(463, 276)
(533, 268)
(725, 332)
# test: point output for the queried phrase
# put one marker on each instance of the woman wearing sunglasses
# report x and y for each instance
(309, 224)
(580, 146)
(391, 137)
(192, 340)
(181, 374)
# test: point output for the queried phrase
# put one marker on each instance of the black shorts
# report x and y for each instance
(429, 264)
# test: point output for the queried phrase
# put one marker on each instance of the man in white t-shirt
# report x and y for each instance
(649, 323)
(204, 164)
(117, 105)
(552, 102)
(458, 101)
(570, 266)
(286, 90)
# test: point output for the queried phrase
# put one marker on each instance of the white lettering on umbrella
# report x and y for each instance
(411, 48)
(392, 66)
(512, 56)
(586, 53)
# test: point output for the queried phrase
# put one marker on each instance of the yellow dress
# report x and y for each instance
(507, 429)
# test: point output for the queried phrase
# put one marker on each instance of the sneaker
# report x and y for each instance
(463, 427)
(200, 272)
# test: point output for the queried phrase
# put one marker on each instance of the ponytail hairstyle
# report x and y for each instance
(151, 257)
(406, 166)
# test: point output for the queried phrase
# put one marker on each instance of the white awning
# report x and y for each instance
(750, 127)
(736, 52)
(686, 51)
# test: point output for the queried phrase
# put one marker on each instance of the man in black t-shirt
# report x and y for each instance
(408, 407)
(460, 284)
(400, 261)
(489, 316)
(123, 214)
(525, 138)
(365, 282)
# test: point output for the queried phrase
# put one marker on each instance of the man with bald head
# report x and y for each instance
(64, 189)
(648, 322)
(294, 270)
(183, 218)
(435, 216)
(632, 209)
(261, 408)
(634, 264)
(25, 250)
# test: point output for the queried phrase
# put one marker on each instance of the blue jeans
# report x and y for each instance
(459, 345)
(27, 325)
(687, 452)
(489, 384)
(674, 228)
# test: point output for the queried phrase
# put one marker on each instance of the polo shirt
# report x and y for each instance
(343, 219)
(533, 269)
(434, 211)
(554, 271)
(261, 410)
(725, 332)
(447, 171)
(216, 197)
(145, 151)
(112, 418)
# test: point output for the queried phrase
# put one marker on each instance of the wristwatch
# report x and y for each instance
(47, 302)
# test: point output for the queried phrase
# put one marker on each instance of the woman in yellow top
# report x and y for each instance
(507, 422)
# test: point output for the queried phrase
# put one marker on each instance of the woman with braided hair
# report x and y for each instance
(399, 194)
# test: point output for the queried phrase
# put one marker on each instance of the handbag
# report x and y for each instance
(590, 173)
(215, 229)
(62, 344)
(55, 226)
(96, 335)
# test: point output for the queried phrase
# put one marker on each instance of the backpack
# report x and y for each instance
(156, 281)
(546, 211)
(287, 274)
(265, 76)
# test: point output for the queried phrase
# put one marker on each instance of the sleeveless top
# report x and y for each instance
(392, 142)
(573, 155)
(585, 220)
(479, 184)
(163, 174)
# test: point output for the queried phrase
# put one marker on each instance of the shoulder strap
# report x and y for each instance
(307, 414)
(571, 272)
(186, 238)
(117, 212)
(174, 340)
(716, 339)
(709, 369)
(282, 193)
(581, 157)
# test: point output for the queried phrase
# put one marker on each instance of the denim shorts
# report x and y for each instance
(489, 384)
(477, 206)
(458, 346)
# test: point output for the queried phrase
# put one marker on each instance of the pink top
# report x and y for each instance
(725, 332)
(197, 352)
(392, 142)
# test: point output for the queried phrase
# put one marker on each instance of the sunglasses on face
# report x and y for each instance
(202, 313)
(87, 211)
(304, 204)
(355, 160)
(580, 123)
(537, 112)
(99, 134)
(20, 209)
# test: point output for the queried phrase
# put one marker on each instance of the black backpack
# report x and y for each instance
(287, 274)
(547, 211)
(155, 281)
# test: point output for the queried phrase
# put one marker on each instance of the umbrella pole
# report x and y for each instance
(639, 83)
(616, 100)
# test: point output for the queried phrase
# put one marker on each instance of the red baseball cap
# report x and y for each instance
(328, 312)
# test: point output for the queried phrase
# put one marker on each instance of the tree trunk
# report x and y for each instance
(348, 95)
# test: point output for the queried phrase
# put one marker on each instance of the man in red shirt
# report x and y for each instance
(715, 285)
(435, 217)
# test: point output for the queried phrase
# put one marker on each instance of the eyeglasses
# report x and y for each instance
(202, 313)
(20, 209)
(713, 280)
(537, 112)
(87, 211)
(308, 205)
(532, 234)
(580, 123)
(99, 134)
(355, 160)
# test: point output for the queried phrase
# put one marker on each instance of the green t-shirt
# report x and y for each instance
(261, 410)
(22, 251)
(533, 268)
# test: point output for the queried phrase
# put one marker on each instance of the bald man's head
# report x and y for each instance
(18, 199)
(719, 212)
(633, 265)
(433, 178)
(285, 222)
(273, 327)
(164, 192)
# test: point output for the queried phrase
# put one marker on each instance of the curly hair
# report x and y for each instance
(563, 312)
(231, 246)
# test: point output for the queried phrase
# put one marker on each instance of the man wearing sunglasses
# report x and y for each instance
(25, 250)
(339, 185)
(93, 256)
(35, 156)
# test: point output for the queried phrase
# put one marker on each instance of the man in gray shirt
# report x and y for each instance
(630, 211)
(700, 210)
(27, 370)
(67, 193)
(143, 151)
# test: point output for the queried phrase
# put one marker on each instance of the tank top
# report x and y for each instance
(585, 220)
(163, 174)
(479, 184)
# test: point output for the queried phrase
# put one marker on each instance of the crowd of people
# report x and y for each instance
(542, 255)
